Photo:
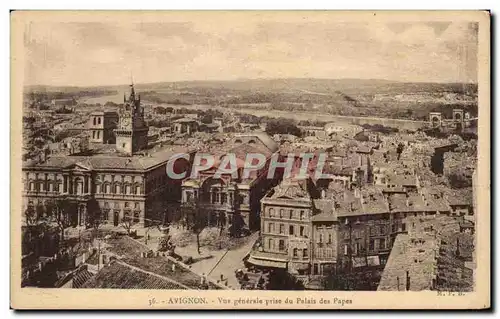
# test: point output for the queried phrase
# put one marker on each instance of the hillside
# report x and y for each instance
(357, 97)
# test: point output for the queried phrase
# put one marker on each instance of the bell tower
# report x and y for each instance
(132, 131)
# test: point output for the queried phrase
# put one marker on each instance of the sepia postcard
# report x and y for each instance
(250, 160)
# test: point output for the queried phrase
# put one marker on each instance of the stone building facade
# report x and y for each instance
(234, 200)
(101, 126)
(107, 184)
(113, 187)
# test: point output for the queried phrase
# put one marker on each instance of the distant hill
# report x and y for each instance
(292, 85)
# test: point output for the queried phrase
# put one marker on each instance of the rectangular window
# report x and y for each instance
(290, 230)
(270, 227)
(295, 252)
(372, 245)
(382, 230)
(281, 245)
(403, 227)
(382, 243)
(302, 228)
(305, 253)
(346, 249)
(282, 229)
(302, 215)
(329, 238)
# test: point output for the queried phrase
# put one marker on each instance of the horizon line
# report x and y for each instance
(253, 79)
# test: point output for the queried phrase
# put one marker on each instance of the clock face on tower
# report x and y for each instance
(126, 122)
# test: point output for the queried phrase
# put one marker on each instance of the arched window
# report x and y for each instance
(95, 120)
(138, 190)
(117, 189)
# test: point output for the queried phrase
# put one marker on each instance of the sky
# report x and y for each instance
(225, 48)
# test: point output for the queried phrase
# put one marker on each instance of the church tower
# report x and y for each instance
(132, 131)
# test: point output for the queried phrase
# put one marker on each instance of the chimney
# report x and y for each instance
(407, 280)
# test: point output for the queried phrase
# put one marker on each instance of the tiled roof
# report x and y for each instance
(81, 277)
(326, 210)
(264, 138)
(417, 259)
(135, 162)
(119, 275)
(293, 189)
(162, 266)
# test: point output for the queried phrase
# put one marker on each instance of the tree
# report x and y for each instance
(221, 222)
(282, 126)
(95, 217)
(30, 216)
(61, 216)
(126, 223)
(457, 179)
(400, 149)
(40, 211)
(195, 218)
(206, 119)
(160, 110)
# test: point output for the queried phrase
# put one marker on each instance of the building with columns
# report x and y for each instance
(234, 200)
(109, 181)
